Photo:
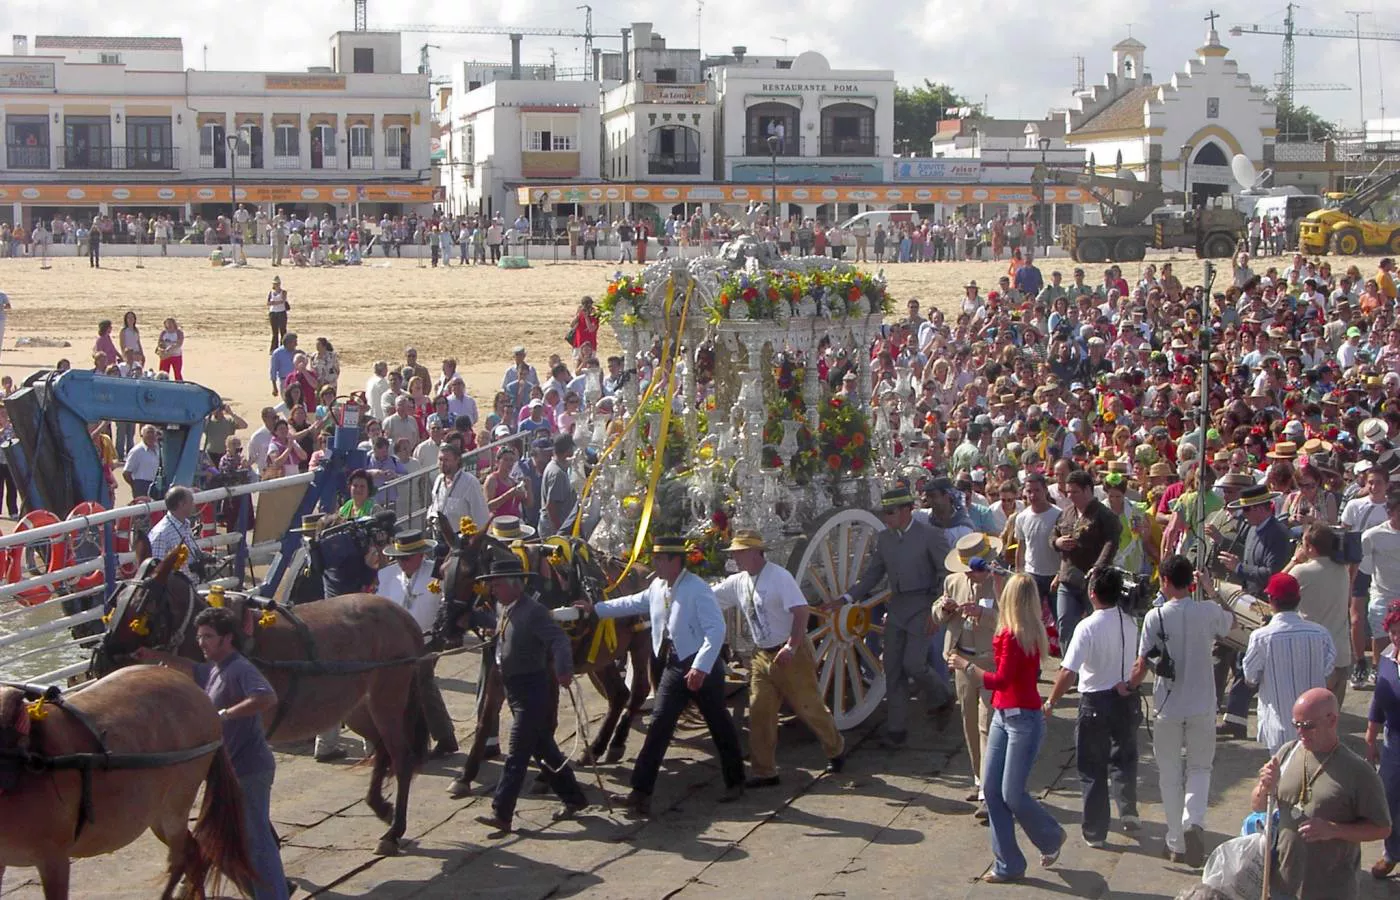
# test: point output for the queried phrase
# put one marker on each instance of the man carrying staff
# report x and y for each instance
(784, 667)
(909, 554)
(528, 640)
(687, 632)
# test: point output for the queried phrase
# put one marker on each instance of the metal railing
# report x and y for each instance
(362, 162)
(836, 145)
(23, 156)
(119, 158)
(757, 145)
(673, 165)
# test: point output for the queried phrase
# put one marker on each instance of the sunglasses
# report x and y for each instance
(1305, 726)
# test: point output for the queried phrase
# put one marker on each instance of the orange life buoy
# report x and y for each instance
(15, 568)
(208, 524)
(70, 546)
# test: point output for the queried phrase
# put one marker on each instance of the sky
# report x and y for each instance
(1017, 55)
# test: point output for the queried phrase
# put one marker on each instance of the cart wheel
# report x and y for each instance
(826, 565)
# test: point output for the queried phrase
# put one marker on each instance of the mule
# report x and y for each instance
(356, 659)
(148, 737)
(562, 584)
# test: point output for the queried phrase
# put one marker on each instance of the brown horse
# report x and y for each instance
(86, 774)
(355, 659)
(596, 655)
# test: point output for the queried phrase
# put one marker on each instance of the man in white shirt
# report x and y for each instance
(426, 453)
(405, 582)
(1322, 585)
(1286, 657)
(142, 463)
(1359, 514)
(260, 440)
(1101, 652)
(456, 493)
(784, 668)
(402, 425)
(1035, 535)
(458, 403)
(1380, 563)
(376, 386)
(1178, 637)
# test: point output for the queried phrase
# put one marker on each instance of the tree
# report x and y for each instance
(1294, 123)
(917, 112)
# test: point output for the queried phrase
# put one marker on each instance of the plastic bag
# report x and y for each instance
(1236, 867)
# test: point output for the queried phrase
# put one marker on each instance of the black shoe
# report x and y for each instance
(835, 764)
(1195, 854)
(443, 750)
(762, 781)
(499, 827)
(732, 793)
(569, 812)
(493, 751)
(1231, 731)
(981, 814)
(638, 806)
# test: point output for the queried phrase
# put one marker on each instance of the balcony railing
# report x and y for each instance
(673, 165)
(835, 145)
(286, 162)
(400, 162)
(23, 156)
(119, 158)
(362, 162)
(757, 145)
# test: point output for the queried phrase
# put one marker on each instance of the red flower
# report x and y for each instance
(724, 298)
(841, 441)
(836, 402)
(854, 295)
(750, 293)
(721, 519)
(833, 461)
(857, 464)
(773, 294)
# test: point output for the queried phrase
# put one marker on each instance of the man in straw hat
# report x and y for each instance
(1267, 548)
(405, 582)
(784, 667)
(909, 555)
(968, 611)
(528, 642)
(687, 632)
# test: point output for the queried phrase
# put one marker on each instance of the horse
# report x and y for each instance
(85, 774)
(356, 659)
(598, 647)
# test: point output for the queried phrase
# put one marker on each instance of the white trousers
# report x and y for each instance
(1185, 752)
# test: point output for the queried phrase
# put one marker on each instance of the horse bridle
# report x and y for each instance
(148, 591)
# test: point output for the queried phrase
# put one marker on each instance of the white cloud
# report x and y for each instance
(1019, 53)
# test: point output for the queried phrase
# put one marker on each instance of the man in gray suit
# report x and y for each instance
(528, 640)
(909, 555)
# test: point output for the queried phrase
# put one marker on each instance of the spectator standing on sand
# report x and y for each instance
(277, 308)
(130, 335)
(171, 349)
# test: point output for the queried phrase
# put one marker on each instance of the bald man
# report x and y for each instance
(1330, 802)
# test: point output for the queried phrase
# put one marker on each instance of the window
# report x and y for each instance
(364, 60)
(361, 140)
(665, 76)
(848, 129)
(396, 146)
(286, 141)
(1212, 107)
(87, 142)
(546, 134)
(323, 147)
(252, 146)
(27, 142)
(149, 144)
(109, 59)
(673, 150)
(213, 153)
(469, 144)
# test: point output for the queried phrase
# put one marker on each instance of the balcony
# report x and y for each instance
(837, 145)
(24, 156)
(362, 162)
(549, 164)
(757, 145)
(286, 162)
(397, 161)
(673, 165)
(165, 159)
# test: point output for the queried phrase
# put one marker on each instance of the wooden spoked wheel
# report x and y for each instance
(847, 640)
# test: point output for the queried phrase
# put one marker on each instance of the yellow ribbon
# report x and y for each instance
(605, 633)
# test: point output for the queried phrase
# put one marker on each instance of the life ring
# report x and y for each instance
(123, 536)
(208, 522)
(15, 564)
(71, 547)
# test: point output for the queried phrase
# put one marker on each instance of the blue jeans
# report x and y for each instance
(1070, 605)
(262, 843)
(1012, 745)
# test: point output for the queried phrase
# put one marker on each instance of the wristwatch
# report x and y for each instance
(223, 715)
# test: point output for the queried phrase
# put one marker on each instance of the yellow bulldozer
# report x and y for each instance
(1365, 221)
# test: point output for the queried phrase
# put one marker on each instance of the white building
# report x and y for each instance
(506, 135)
(120, 122)
(1190, 126)
(659, 123)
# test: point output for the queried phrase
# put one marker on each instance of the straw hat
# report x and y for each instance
(1234, 480)
(970, 547)
(746, 539)
(510, 528)
(410, 543)
(1254, 495)
(1372, 430)
(1160, 470)
(1283, 450)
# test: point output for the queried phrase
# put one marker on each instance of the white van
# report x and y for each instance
(890, 218)
(1287, 208)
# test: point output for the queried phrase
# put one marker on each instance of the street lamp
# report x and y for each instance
(1044, 144)
(232, 141)
(1185, 175)
(773, 157)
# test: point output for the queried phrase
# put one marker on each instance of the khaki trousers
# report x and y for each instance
(1337, 682)
(769, 685)
(975, 705)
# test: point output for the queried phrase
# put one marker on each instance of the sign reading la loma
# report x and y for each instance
(811, 87)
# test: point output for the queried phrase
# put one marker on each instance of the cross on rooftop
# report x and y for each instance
(1211, 19)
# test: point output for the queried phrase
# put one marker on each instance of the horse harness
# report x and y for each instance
(13, 760)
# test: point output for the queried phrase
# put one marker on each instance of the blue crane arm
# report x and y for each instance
(59, 464)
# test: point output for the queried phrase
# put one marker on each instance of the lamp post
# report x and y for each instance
(773, 158)
(235, 246)
(1185, 175)
(1044, 144)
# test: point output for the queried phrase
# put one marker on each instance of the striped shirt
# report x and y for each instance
(1288, 656)
(169, 533)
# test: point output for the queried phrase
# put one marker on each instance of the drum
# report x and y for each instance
(1249, 611)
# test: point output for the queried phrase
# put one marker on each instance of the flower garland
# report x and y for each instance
(843, 444)
(839, 293)
(625, 293)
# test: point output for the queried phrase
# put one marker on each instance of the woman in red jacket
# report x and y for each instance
(1017, 731)
(585, 330)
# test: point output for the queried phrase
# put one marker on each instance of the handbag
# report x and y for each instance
(572, 336)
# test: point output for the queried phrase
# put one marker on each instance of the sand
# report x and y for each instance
(369, 312)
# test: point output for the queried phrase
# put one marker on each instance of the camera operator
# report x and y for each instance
(1101, 654)
(1178, 637)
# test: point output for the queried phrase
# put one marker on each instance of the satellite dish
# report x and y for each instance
(1243, 170)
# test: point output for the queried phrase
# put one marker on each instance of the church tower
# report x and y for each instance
(1127, 59)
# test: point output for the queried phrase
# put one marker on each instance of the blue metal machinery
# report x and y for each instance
(53, 458)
